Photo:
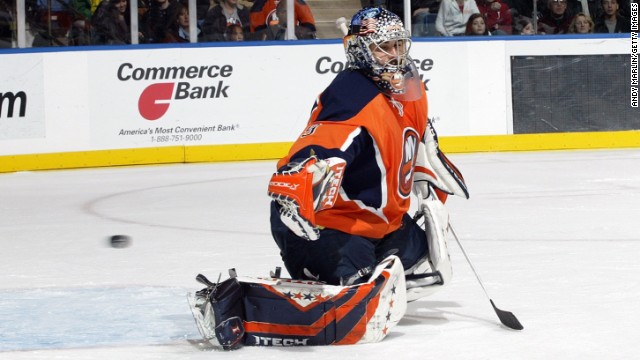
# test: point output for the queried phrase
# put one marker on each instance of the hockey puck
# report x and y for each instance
(119, 241)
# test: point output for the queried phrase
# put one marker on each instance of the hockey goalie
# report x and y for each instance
(339, 214)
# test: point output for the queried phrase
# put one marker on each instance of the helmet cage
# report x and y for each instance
(376, 30)
(396, 38)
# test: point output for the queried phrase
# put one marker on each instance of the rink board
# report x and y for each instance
(105, 106)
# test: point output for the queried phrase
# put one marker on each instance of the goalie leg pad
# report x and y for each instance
(436, 229)
(434, 271)
(283, 312)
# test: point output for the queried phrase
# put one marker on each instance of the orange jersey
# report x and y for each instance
(378, 137)
(263, 11)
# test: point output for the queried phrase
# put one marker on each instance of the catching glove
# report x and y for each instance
(304, 189)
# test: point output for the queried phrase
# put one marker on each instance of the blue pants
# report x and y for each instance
(340, 258)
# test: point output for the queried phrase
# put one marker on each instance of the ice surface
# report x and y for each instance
(554, 236)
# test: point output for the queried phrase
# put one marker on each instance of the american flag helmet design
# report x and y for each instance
(369, 28)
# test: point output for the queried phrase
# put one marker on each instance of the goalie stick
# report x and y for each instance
(506, 318)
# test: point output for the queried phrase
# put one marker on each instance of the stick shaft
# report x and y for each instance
(464, 252)
(506, 318)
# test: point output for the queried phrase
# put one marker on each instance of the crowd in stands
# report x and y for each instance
(513, 17)
(96, 22)
(516, 17)
(108, 22)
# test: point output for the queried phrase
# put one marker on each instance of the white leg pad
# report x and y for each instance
(438, 261)
(392, 302)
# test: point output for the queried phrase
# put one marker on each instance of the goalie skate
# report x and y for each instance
(217, 321)
(423, 281)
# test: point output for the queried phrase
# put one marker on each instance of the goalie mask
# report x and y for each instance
(378, 45)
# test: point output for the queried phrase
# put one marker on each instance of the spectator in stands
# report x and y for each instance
(423, 15)
(262, 15)
(81, 9)
(234, 32)
(624, 8)
(6, 34)
(556, 19)
(179, 30)
(611, 21)
(524, 8)
(219, 17)
(157, 21)
(79, 33)
(581, 24)
(278, 30)
(95, 4)
(574, 7)
(453, 16)
(202, 8)
(476, 26)
(373, 3)
(523, 26)
(497, 16)
(110, 23)
(594, 9)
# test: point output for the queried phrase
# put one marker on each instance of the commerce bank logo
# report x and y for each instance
(156, 98)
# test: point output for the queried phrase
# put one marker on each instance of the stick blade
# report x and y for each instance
(507, 318)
